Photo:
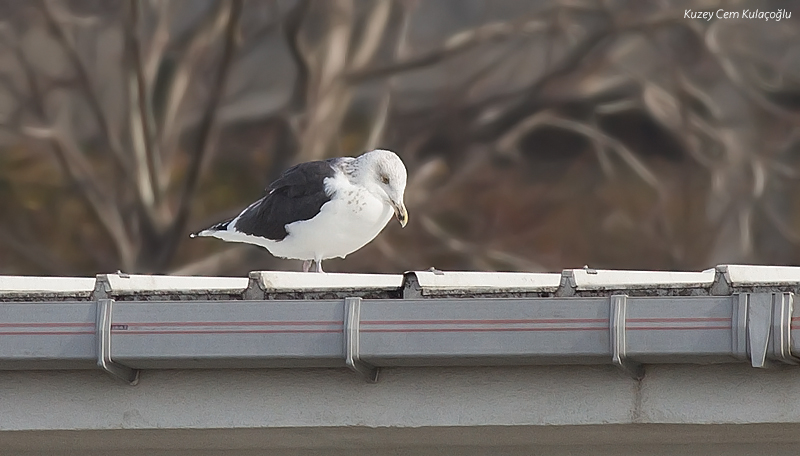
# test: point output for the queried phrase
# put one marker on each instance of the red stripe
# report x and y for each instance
(233, 323)
(334, 331)
(46, 325)
(44, 333)
(365, 322)
(585, 328)
(664, 328)
(243, 331)
(675, 320)
(537, 321)
(484, 322)
(411, 330)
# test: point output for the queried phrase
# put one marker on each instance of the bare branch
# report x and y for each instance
(78, 170)
(291, 31)
(65, 16)
(521, 98)
(714, 44)
(328, 95)
(87, 87)
(509, 141)
(372, 37)
(379, 125)
(158, 43)
(206, 131)
(456, 44)
(142, 118)
(169, 134)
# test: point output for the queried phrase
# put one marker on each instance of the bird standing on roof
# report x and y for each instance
(322, 209)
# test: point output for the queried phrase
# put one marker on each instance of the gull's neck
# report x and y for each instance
(351, 167)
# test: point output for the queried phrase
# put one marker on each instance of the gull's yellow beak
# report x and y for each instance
(401, 213)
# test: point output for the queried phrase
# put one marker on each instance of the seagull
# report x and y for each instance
(322, 209)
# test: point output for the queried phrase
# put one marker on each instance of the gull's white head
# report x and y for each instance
(384, 175)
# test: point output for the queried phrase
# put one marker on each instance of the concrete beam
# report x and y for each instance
(462, 410)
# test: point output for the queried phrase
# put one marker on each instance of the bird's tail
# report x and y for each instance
(221, 226)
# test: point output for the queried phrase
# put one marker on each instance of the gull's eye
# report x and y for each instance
(385, 179)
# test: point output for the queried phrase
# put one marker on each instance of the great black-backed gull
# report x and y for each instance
(322, 209)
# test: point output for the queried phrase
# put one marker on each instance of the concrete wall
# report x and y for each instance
(725, 409)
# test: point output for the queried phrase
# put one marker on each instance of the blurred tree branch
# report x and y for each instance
(86, 85)
(207, 132)
(456, 44)
(517, 114)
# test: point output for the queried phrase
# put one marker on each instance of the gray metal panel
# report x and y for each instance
(53, 335)
(391, 332)
(484, 331)
(237, 334)
(667, 329)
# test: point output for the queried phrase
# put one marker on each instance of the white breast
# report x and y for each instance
(349, 221)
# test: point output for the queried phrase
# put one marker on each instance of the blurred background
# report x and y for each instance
(538, 135)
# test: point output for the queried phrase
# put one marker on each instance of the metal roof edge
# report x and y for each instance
(738, 275)
(434, 282)
(290, 281)
(125, 284)
(610, 279)
(15, 285)
(720, 280)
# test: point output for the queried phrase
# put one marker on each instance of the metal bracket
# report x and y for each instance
(739, 326)
(618, 311)
(352, 324)
(782, 304)
(769, 327)
(759, 324)
(124, 373)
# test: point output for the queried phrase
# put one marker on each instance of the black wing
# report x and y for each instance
(297, 195)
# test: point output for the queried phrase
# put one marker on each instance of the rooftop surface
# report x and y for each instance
(721, 280)
(582, 361)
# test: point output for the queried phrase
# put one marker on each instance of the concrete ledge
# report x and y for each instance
(659, 439)
(738, 275)
(29, 288)
(283, 281)
(432, 283)
(677, 409)
(722, 280)
(405, 397)
(128, 284)
(589, 279)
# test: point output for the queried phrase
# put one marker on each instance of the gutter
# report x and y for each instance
(125, 323)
